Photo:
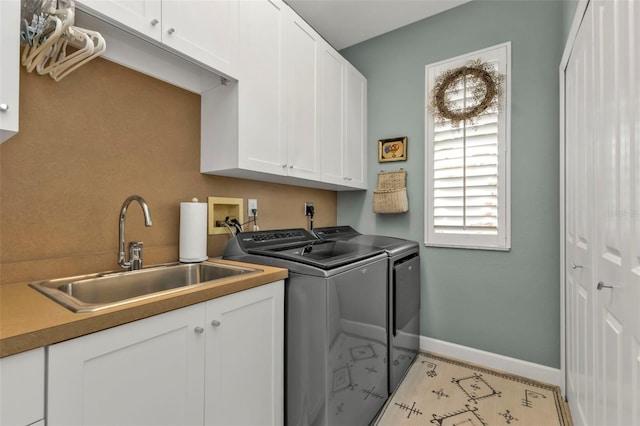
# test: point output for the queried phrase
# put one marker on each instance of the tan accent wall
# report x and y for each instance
(88, 142)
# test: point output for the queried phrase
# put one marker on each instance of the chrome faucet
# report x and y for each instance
(135, 247)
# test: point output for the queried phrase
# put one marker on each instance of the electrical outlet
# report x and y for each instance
(252, 204)
(308, 208)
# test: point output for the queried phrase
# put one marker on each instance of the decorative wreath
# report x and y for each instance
(482, 81)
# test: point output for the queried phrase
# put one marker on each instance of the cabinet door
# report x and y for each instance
(262, 144)
(22, 388)
(10, 69)
(203, 30)
(147, 372)
(144, 16)
(301, 82)
(331, 77)
(355, 169)
(245, 358)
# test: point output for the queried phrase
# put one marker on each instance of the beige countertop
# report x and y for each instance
(30, 320)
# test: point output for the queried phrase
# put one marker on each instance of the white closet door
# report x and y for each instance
(603, 216)
(615, 221)
(633, 273)
(579, 226)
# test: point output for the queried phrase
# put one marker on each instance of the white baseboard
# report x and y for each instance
(519, 367)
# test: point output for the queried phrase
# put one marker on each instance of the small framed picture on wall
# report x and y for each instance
(394, 149)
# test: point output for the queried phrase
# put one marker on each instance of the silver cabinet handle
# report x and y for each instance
(171, 31)
(602, 285)
(291, 166)
(215, 323)
(4, 107)
(574, 266)
(199, 330)
(154, 22)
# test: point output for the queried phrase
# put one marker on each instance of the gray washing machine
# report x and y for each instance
(403, 275)
(336, 339)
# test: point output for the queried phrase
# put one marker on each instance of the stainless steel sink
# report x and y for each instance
(90, 293)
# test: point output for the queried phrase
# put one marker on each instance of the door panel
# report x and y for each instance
(144, 16)
(579, 229)
(355, 127)
(614, 56)
(204, 30)
(331, 92)
(143, 373)
(633, 304)
(242, 328)
(302, 43)
(635, 383)
(612, 362)
(260, 64)
(602, 124)
(584, 360)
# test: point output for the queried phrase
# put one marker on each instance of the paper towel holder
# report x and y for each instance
(220, 208)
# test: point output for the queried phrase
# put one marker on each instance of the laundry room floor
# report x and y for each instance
(445, 391)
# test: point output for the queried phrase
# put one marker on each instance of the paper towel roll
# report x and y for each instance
(193, 232)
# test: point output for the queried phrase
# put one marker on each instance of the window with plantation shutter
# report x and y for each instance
(467, 163)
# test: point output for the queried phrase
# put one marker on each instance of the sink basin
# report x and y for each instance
(90, 293)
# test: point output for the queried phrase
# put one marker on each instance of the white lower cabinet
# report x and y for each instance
(22, 388)
(245, 358)
(217, 362)
(148, 372)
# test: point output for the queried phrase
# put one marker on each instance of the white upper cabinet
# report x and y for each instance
(355, 166)
(143, 16)
(258, 139)
(202, 30)
(273, 123)
(9, 67)
(331, 79)
(301, 100)
(343, 121)
(264, 126)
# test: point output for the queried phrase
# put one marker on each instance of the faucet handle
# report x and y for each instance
(135, 255)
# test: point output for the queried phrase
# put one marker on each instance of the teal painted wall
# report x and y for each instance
(568, 12)
(502, 302)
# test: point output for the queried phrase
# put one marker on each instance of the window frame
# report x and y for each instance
(502, 240)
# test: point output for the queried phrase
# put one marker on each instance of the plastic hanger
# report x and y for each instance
(78, 39)
(95, 46)
(33, 53)
(57, 51)
(51, 33)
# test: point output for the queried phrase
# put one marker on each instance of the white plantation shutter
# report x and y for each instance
(467, 166)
